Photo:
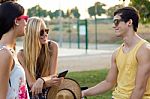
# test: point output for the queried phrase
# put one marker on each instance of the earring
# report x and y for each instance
(17, 24)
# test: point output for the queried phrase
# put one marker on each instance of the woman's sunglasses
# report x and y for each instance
(23, 17)
(43, 31)
(117, 21)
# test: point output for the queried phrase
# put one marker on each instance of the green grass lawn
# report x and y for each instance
(91, 78)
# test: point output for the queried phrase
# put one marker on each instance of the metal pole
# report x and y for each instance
(69, 31)
(95, 32)
(60, 25)
(78, 34)
(95, 26)
(60, 29)
(86, 36)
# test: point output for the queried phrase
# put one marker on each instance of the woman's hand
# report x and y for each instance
(37, 86)
(54, 81)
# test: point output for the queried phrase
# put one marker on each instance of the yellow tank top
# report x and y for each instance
(127, 67)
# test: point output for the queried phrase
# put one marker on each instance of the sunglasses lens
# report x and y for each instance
(116, 22)
(41, 32)
(47, 30)
(44, 31)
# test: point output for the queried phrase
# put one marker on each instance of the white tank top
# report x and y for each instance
(17, 80)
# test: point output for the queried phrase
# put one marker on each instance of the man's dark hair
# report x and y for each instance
(128, 13)
(9, 11)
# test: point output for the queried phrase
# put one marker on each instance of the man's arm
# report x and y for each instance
(143, 72)
(107, 84)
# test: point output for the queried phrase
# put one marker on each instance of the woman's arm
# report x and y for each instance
(35, 85)
(52, 79)
(54, 58)
(6, 63)
(21, 60)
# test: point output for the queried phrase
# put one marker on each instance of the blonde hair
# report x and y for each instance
(35, 53)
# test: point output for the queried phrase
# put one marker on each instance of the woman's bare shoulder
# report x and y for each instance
(7, 58)
(53, 44)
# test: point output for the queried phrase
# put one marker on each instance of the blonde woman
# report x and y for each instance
(39, 57)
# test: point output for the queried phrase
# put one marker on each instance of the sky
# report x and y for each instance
(82, 5)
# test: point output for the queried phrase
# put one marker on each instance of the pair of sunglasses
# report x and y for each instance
(23, 17)
(43, 31)
(117, 21)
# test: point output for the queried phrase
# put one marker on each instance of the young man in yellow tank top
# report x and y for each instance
(130, 63)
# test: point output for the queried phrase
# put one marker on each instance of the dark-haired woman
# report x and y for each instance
(12, 76)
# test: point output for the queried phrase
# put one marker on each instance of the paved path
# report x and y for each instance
(84, 62)
(81, 60)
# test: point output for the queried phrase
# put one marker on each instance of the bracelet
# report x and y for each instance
(43, 80)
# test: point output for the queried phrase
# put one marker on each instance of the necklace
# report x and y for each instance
(2, 46)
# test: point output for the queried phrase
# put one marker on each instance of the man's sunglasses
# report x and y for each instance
(117, 21)
(23, 17)
(43, 31)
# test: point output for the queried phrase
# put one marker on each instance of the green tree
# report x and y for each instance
(68, 14)
(37, 11)
(75, 12)
(91, 11)
(97, 9)
(143, 6)
(58, 13)
(50, 14)
(111, 10)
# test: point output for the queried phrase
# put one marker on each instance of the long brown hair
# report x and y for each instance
(37, 56)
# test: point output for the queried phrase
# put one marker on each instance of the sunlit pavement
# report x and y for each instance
(75, 59)
(64, 52)
(78, 52)
(103, 49)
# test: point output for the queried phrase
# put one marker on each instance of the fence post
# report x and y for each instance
(95, 32)
(78, 34)
(86, 35)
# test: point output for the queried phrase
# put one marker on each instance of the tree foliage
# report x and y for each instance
(38, 11)
(143, 6)
(68, 14)
(50, 14)
(97, 9)
(111, 10)
(75, 12)
(58, 13)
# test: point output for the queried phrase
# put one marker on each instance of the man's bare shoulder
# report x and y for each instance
(144, 50)
(145, 47)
